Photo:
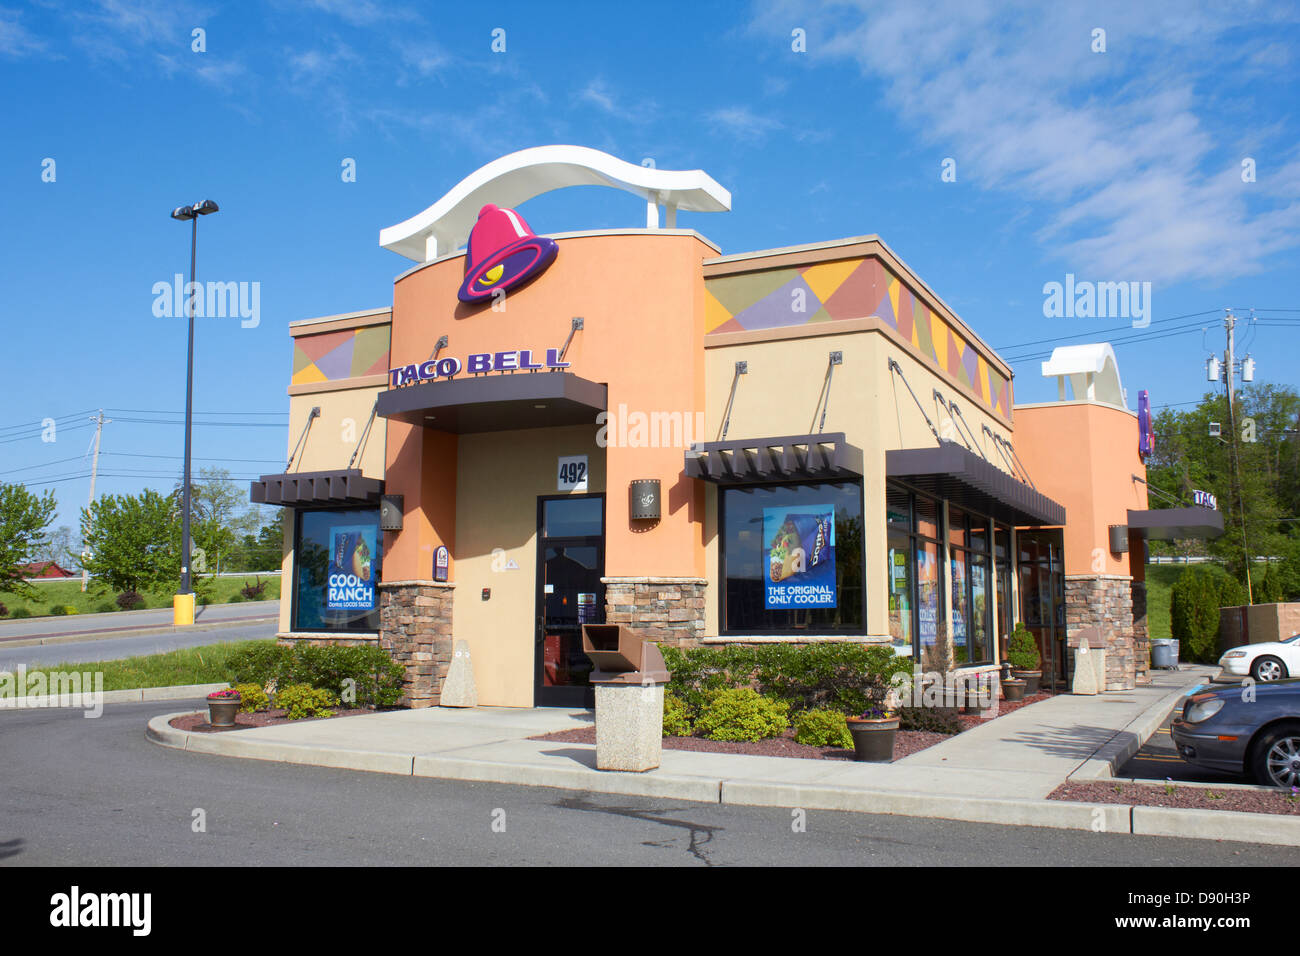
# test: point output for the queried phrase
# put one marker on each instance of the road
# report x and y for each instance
(95, 793)
(101, 644)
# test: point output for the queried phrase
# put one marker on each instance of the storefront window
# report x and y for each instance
(915, 608)
(1042, 597)
(792, 558)
(337, 559)
(969, 584)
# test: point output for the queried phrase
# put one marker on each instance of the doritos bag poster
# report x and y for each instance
(800, 557)
(351, 583)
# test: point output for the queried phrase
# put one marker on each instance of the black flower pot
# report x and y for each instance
(222, 710)
(1030, 678)
(1013, 690)
(873, 740)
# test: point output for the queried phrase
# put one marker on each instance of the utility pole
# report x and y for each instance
(1229, 324)
(100, 421)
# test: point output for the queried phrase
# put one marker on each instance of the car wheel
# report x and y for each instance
(1276, 757)
(1268, 669)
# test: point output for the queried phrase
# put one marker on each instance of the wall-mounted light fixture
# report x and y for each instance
(643, 499)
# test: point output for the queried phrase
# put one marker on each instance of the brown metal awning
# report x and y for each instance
(497, 402)
(1167, 524)
(787, 458)
(954, 472)
(316, 489)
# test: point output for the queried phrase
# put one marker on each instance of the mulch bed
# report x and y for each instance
(1182, 797)
(262, 718)
(906, 742)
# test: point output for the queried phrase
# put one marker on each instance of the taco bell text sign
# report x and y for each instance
(799, 560)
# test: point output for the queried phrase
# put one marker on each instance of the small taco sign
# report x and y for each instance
(799, 570)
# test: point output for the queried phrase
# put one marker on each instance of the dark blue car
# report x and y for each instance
(1244, 728)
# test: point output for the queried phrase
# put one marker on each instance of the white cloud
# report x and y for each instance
(743, 123)
(1121, 152)
(15, 39)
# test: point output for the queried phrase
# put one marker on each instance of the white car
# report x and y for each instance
(1273, 660)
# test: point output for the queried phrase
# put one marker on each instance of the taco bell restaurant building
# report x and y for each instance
(626, 425)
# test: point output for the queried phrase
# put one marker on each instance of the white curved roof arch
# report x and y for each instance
(518, 177)
(1091, 370)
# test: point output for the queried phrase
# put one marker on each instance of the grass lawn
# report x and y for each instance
(191, 665)
(68, 592)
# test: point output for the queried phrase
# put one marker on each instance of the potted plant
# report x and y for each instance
(1013, 690)
(1022, 655)
(977, 694)
(873, 734)
(222, 707)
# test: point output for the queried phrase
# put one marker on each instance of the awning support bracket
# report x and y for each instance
(311, 417)
(742, 368)
(898, 369)
(824, 396)
(574, 326)
(365, 432)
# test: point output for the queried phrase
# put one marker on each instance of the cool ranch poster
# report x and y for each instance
(800, 557)
(351, 584)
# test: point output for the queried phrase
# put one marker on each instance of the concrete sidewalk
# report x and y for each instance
(998, 772)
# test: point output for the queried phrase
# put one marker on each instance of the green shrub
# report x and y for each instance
(58, 610)
(203, 600)
(19, 613)
(1194, 603)
(1268, 587)
(822, 728)
(303, 700)
(677, 717)
(742, 714)
(235, 599)
(252, 698)
(844, 676)
(362, 676)
(1022, 649)
(104, 607)
(1232, 593)
(938, 720)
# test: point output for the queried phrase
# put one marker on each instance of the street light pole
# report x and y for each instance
(183, 603)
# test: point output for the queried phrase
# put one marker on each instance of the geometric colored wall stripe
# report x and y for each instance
(850, 289)
(349, 353)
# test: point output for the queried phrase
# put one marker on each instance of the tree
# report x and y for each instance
(60, 547)
(132, 541)
(23, 520)
(219, 515)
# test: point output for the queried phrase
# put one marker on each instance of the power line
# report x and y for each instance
(1118, 328)
(159, 411)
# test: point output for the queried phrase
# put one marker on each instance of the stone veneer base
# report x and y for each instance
(669, 609)
(415, 628)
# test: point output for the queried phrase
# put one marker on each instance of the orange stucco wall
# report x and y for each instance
(1084, 455)
(642, 301)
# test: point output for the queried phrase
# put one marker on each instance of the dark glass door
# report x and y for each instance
(570, 564)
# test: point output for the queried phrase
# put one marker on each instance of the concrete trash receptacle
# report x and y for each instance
(629, 682)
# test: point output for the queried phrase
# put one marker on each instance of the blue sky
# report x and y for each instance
(1122, 165)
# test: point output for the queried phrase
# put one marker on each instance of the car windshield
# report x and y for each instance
(1290, 640)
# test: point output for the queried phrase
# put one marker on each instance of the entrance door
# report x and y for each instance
(570, 564)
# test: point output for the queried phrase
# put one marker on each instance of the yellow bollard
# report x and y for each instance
(182, 609)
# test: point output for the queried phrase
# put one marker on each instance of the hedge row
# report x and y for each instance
(368, 672)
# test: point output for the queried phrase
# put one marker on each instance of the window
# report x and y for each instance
(337, 559)
(915, 594)
(972, 617)
(792, 558)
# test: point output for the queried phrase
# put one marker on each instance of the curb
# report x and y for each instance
(1126, 741)
(133, 696)
(111, 633)
(1270, 829)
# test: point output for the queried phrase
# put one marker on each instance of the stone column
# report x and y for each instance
(1104, 601)
(671, 610)
(415, 628)
(1141, 636)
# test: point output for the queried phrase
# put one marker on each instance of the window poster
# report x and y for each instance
(800, 557)
(927, 590)
(351, 584)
